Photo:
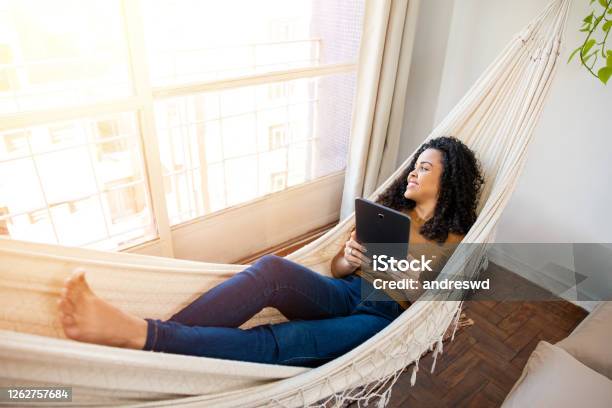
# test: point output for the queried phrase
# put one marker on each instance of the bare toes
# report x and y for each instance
(75, 285)
(72, 332)
(80, 277)
(65, 305)
(74, 280)
(67, 320)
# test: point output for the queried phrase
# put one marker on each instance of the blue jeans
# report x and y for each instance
(328, 317)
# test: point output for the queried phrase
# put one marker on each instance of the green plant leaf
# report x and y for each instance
(573, 54)
(606, 26)
(604, 74)
(589, 44)
(603, 3)
(588, 57)
(588, 18)
(609, 59)
(597, 20)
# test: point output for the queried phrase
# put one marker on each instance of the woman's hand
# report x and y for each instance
(354, 252)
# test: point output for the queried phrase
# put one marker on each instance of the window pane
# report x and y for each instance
(216, 187)
(126, 203)
(241, 179)
(14, 144)
(66, 175)
(20, 189)
(34, 227)
(61, 53)
(238, 135)
(183, 198)
(79, 222)
(76, 183)
(203, 40)
(288, 133)
(212, 140)
(58, 137)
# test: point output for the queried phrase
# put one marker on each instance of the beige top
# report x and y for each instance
(418, 246)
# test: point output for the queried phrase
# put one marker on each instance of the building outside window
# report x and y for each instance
(277, 136)
(278, 181)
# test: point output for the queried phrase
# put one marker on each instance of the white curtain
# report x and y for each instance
(384, 64)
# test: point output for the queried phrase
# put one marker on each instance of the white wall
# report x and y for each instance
(564, 192)
(425, 71)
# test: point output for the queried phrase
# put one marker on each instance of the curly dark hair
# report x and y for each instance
(460, 184)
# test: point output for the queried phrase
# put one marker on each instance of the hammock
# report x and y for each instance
(495, 118)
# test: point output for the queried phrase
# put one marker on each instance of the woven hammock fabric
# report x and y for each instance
(495, 118)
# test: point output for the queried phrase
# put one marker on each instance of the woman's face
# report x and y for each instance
(424, 180)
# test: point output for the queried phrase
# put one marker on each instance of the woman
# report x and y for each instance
(327, 316)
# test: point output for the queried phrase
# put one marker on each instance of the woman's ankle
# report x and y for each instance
(138, 337)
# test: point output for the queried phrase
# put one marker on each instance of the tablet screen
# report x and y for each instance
(382, 230)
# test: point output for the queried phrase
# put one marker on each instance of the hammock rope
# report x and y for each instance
(495, 118)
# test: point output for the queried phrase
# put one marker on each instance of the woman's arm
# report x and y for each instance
(349, 258)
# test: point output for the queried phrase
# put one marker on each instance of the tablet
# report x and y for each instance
(382, 230)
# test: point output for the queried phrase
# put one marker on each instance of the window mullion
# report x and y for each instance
(256, 79)
(142, 86)
(45, 116)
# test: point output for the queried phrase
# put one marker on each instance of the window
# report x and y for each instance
(125, 198)
(280, 90)
(72, 207)
(38, 216)
(277, 135)
(61, 53)
(226, 107)
(278, 181)
(243, 134)
(284, 29)
(16, 142)
(70, 195)
(61, 134)
(112, 140)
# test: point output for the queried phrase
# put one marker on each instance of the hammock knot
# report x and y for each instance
(440, 346)
(439, 349)
(456, 320)
(384, 399)
(415, 368)
(433, 364)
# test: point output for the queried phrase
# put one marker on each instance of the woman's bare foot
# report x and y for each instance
(86, 317)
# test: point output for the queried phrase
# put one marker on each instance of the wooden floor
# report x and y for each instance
(480, 366)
